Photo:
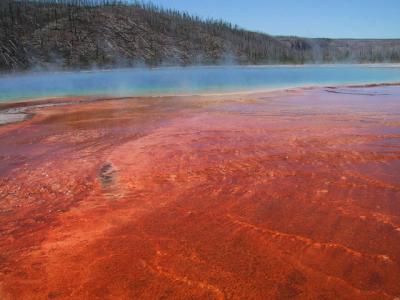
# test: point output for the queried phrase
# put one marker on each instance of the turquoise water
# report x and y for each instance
(158, 81)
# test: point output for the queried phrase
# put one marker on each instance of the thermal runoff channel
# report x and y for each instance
(292, 193)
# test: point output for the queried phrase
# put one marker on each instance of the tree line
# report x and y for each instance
(72, 34)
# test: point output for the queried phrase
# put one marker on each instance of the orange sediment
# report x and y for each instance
(284, 195)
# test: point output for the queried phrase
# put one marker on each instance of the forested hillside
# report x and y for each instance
(73, 34)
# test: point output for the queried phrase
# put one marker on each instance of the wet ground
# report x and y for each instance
(284, 195)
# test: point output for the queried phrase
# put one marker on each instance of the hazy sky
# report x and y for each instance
(311, 18)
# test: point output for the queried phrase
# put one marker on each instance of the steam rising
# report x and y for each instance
(188, 80)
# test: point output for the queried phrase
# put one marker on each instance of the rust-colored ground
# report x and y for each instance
(287, 195)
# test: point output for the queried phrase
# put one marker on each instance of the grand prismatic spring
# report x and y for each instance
(291, 193)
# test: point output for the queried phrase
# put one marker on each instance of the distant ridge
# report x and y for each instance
(81, 34)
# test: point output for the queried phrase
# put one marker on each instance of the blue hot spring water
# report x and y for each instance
(187, 80)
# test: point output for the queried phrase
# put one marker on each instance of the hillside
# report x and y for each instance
(73, 34)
